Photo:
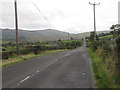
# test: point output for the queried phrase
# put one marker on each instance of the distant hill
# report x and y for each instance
(86, 34)
(41, 35)
(36, 35)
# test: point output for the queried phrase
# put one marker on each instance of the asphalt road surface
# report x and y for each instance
(68, 69)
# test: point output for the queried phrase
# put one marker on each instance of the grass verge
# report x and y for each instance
(102, 77)
(107, 36)
(21, 58)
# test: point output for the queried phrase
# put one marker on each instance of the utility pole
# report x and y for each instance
(16, 26)
(94, 4)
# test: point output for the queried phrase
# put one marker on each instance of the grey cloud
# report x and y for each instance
(27, 18)
(72, 18)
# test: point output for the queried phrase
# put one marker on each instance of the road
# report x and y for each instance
(68, 69)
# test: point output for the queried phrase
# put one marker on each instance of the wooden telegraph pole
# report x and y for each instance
(94, 4)
(16, 26)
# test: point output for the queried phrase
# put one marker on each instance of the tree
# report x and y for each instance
(71, 38)
(116, 30)
(59, 40)
(91, 36)
(113, 27)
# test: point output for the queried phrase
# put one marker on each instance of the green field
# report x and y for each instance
(106, 37)
(28, 50)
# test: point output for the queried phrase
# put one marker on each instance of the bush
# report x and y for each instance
(7, 54)
(118, 55)
(9, 48)
(118, 44)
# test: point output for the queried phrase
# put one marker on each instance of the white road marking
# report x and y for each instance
(83, 73)
(67, 55)
(44, 67)
(25, 79)
(35, 73)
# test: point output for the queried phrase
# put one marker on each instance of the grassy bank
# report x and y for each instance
(20, 58)
(102, 76)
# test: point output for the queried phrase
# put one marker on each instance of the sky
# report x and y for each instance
(74, 16)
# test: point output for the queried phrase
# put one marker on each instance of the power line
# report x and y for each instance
(43, 15)
(39, 12)
(94, 4)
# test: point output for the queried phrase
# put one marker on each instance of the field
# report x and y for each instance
(106, 37)
(29, 50)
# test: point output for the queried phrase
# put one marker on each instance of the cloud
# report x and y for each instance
(66, 15)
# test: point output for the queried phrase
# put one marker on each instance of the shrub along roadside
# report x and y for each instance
(9, 49)
(28, 50)
(103, 78)
(21, 58)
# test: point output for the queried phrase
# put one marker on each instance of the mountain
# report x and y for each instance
(36, 35)
(42, 35)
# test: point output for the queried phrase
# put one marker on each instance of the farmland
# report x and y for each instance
(28, 50)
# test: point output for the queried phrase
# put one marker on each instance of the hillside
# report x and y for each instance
(41, 35)
(38, 35)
